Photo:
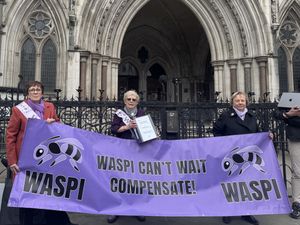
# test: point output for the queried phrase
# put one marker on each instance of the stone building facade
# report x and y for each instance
(169, 50)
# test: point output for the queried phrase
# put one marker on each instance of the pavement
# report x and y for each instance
(84, 219)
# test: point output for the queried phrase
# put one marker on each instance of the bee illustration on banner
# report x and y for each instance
(63, 148)
(242, 158)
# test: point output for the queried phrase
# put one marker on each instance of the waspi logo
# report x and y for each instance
(60, 149)
(240, 159)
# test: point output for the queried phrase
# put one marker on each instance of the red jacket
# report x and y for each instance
(16, 128)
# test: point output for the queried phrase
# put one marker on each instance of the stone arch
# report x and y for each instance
(234, 31)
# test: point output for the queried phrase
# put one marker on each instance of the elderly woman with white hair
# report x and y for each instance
(123, 126)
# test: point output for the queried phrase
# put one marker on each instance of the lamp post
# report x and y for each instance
(176, 81)
(250, 95)
(217, 93)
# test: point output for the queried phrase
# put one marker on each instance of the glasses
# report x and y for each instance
(34, 90)
(131, 99)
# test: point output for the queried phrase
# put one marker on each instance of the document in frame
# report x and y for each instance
(145, 128)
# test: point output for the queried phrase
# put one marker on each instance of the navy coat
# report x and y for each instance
(229, 123)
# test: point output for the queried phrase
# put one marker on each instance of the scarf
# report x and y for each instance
(130, 112)
(241, 114)
(38, 108)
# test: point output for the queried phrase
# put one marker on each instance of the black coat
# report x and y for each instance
(229, 123)
(118, 122)
(292, 125)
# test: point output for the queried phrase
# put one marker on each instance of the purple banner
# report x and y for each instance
(66, 168)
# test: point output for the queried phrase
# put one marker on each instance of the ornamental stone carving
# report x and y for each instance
(225, 27)
(39, 24)
(289, 34)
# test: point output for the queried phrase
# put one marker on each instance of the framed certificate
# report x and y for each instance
(145, 128)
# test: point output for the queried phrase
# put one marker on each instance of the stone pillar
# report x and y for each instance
(114, 77)
(263, 79)
(233, 75)
(104, 76)
(83, 75)
(247, 63)
(94, 83)
(220, 89)
(2, 2)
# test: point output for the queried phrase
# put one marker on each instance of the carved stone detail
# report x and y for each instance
(274, 14)
(116, 18)
(225, 27)
(240, 26)
(289, 34)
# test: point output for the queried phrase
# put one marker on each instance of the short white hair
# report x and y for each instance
(131, 92)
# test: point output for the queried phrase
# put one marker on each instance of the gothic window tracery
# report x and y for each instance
(39, 24)
(289, 34)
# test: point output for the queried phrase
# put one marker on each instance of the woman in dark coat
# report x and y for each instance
(237, 120)
(124, 125)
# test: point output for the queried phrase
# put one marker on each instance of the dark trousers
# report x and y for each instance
(8, 215)
(30, 216)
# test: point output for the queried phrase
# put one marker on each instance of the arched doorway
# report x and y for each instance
(164, 48)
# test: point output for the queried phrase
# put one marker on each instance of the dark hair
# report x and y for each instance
(32, 84)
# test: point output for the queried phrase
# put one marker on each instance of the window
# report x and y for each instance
(28, 58)
(296, 69)
(282, 68)
(48, 67)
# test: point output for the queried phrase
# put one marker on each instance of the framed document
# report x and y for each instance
(145, 128)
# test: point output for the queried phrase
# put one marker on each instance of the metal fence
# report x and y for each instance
(174, 120)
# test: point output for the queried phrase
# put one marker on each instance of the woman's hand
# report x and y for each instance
(271, 135)
(132, 124)
(294, 111)
(50, 120)
(14, 168)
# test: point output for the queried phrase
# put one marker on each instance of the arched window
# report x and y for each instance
(296, 69)
(48, 67)
(28, 59)
(282, 69)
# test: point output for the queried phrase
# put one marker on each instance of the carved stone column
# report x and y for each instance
(218, 78)
(247, 63)
(94, 83)
(104, 87)
(263, 78)
(2, 2)
(83, 68)
(71, 24)
(233, 75)
(114, 77)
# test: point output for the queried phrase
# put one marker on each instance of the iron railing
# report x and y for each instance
(174, 120)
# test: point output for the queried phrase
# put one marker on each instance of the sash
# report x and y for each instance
(125, 118)
(27, 111)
